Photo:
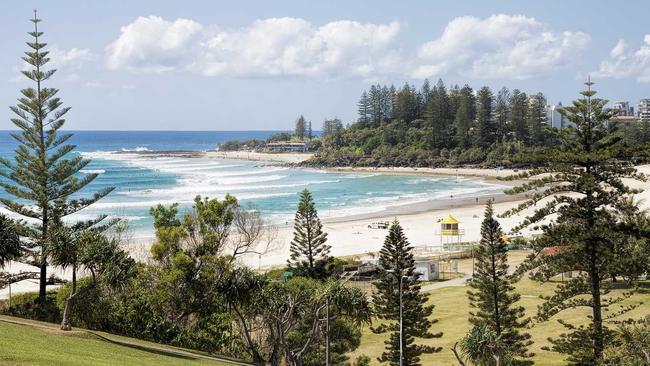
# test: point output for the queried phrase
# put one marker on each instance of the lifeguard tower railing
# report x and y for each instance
(458, 246)
(452, 232)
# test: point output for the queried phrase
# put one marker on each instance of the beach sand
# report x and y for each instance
(488, 174)
(351, 236)
(293, 158)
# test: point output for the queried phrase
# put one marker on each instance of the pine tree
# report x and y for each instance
(45, 172)
(405, 104)
(437, 115)
(502, 111)
(465, 114)
(375, 102)
(425, 91)
(387, 95)
(301, 127)
(492, 295)
(397, 271)
(517, 115)
(309, 251)
(537, 119)
(485, 130)
(582, 186)
(423, 97)
(363, 108)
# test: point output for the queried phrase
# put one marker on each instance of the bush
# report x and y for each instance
(518, 243)
(29, 306)
(91, 307)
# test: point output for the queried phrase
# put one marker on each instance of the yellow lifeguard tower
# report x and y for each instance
(450, 233)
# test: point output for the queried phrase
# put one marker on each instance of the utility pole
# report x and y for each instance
(401, 323)
(327, 331)
(400, 279)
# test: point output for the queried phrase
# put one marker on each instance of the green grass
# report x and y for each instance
(451, 309)
(35, 343)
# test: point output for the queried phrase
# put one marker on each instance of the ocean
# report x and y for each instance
(143, 181)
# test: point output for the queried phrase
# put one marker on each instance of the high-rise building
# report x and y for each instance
(555, 119)
(623, 108)
(644, 110)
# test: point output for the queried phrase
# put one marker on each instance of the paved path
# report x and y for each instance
(460, 281)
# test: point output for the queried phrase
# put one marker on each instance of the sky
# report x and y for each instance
(258, 65)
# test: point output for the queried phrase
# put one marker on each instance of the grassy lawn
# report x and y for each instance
(451, 309)
(42, 344)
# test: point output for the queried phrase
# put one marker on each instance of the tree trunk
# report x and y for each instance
(65, 322)
(42, 288)
(596, 313)
(252, 346)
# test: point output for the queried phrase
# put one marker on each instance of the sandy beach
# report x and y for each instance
(292, 158)
(486, 174)
(352, 236)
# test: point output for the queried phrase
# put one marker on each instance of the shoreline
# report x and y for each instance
(282, 157)
(491, 175)
(350, 235)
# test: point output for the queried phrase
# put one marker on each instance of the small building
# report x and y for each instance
(288, 146)
(428, 269)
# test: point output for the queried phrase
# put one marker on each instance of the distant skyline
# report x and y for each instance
(258, 65)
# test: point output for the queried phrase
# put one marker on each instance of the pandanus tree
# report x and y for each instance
(10, 246)
(45, 173)
(10, 249)
(79, 247)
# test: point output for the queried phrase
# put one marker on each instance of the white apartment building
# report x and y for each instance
(555, 119)
(644, 110)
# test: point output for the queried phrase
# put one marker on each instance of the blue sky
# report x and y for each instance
(208, 65)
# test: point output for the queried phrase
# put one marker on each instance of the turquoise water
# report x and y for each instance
(143, 181)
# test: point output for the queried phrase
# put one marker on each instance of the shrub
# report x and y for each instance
(29, 306)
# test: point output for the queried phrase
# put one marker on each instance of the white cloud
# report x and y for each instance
(73, 58)
(268, 47)
(500, 46)
(618, 50)
(153, 44)
(623, 63)
(68, 63)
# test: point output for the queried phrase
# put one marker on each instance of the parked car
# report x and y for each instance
(379, 225)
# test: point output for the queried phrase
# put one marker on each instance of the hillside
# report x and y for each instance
(27, 342)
